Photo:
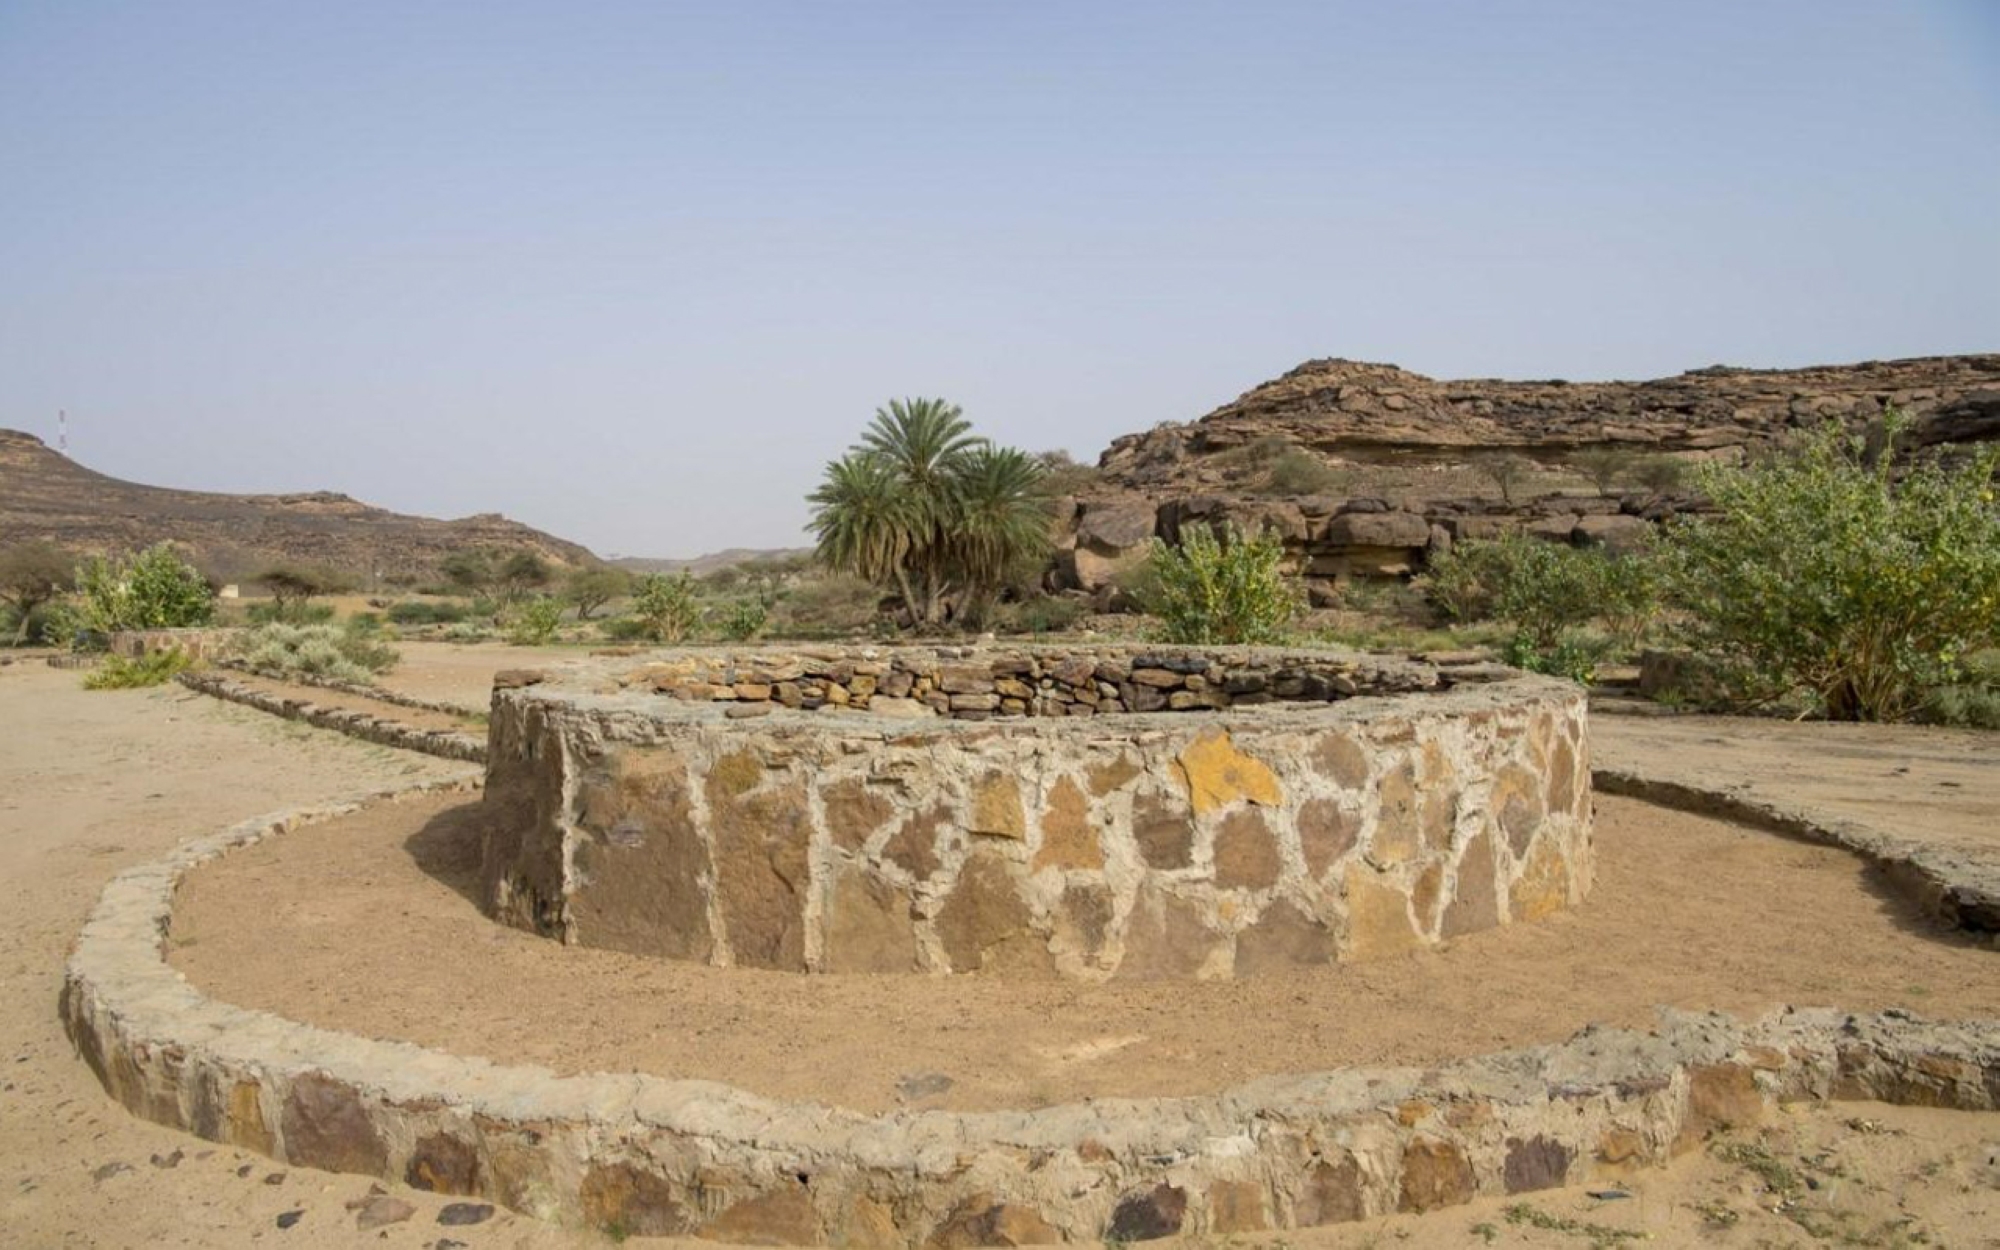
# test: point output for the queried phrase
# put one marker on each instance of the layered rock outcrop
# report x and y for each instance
(1401, 464)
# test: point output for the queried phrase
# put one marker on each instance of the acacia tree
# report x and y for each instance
(924, 505)
(294, 586)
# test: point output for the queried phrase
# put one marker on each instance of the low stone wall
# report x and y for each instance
(381, 694)
(379, 729)
(197, 644)
(652, 1155)
(984, 683)
(1238, 842)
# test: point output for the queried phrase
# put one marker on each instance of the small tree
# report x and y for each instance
(1221, 590)
(1604, 467)
(1660, 474)
(294, 586)
(1508, 472)
(591, 588)
(1863, 585)
(32, 574)
(155, 589)
(666, 606)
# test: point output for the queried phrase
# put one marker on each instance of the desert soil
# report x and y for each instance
(414, 718)
(367, 925)
(93, 783)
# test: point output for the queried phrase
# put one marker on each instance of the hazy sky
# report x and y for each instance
(634, 272)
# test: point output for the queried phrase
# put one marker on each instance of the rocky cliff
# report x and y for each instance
(46, 495)
(1364, 467)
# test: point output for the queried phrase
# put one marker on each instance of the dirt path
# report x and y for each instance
(93, 783)
(462, 673)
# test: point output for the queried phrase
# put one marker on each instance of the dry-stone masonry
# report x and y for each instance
(951, 812)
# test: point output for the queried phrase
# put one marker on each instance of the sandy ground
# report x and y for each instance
(92, 783)
(462, 673)
(367, 925)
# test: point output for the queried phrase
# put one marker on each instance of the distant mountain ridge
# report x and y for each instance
(44, 495)
(712, 562)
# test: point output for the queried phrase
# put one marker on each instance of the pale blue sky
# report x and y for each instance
(633, 272)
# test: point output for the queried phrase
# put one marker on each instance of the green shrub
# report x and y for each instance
(155, 589)
(744, 620)
(666, 607)
(316, 651)
(1839, 577)
(116, 672)
(622, 629)
(1227, 589)
(533, 622)
(1547, 592)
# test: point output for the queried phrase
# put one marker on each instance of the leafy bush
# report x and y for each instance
(533, 622)
(32, 575)
(830, 606)
(155, 589)
(350, 655)
(1546, 592)
(666, 607)
(155, 668)
(1833, 575)
(1227, 589)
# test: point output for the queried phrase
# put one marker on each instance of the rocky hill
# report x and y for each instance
(1365, 467)
(46, 495)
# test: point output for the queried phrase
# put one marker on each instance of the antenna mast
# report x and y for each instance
(62, 430)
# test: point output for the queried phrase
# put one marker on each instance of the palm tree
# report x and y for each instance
(924, 504)
(924, 443)
(861, 520)
(1002, 524)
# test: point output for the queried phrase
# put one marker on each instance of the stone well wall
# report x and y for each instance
(1238, 842)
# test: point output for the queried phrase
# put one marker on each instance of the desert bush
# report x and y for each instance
(1063, 475)
(831, 605)
(117, 672)
(1255, 456)
(292, 612)
(350, 655)
(533, 622)
(1660, 474)
(155, 589)
(1301, 473)
(1223, 589)
(427, 612)
(1836, 576)
(666, 607)
(31, 575)
(1040, 614)
(1508, 472)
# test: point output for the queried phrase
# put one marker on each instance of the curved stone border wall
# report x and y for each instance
(381, 694)
(1952, 887)
(355, 724)
(1241, 842)
(651, 1155)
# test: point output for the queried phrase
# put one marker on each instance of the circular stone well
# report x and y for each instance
(1084, 812)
